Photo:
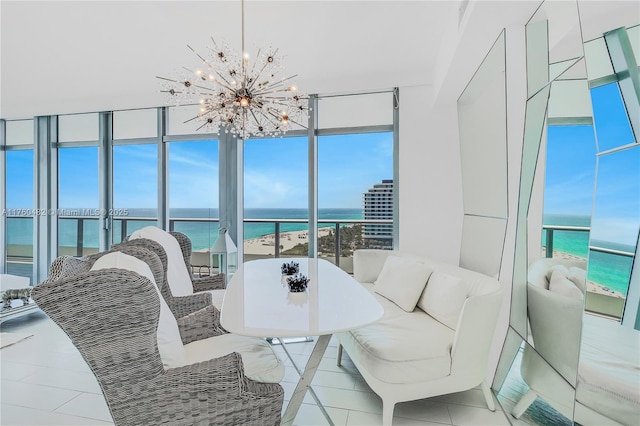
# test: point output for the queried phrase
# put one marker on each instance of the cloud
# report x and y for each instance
(268, 191)
(615, 229)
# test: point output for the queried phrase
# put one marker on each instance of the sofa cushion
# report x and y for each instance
(562, 285)
(579, 278)
(259, 361)
(170, 346)
(402, 281)
(178, 276)
(395, 350)
(443, 298)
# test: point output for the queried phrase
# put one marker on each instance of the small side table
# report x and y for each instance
(14, 282)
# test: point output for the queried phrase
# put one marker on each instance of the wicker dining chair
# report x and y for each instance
(211, 282)
(180, 305)
(111, 316)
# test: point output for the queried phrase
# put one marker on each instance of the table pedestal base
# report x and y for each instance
(304, 383)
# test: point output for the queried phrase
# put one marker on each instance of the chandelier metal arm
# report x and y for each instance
(235, 95)
(210, 65)
(253, 67)
(277, 83)
(271, 120)
(257, 77)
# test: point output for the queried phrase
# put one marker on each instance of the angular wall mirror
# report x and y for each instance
(482, 118)
(581, 144)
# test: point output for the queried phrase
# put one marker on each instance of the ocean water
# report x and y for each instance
(202, 234)
(606, 269)
(609, 270)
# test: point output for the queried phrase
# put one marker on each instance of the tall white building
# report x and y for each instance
(378, 205)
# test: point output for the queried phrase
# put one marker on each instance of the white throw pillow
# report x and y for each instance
(178, 277)
(561, 268)
(562, 285)
(579, 278)
(402, 281)
(444, 297)
(170, 344)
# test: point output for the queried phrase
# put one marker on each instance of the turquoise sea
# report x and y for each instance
(609, 270)
(202, 234)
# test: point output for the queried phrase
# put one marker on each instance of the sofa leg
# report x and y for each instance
(387, 412)
(523, 404)
(488, 396)
(339, 359)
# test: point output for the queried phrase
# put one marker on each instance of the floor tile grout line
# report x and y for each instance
(52, 367)
(63, 414)
(66, 402)
(53, 387)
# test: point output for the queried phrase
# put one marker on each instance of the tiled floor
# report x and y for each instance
(45, 381)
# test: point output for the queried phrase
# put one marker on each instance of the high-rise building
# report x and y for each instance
(378, 205)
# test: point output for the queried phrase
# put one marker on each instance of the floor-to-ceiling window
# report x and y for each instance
(276, 197)
(150, 167)
(78, 190)
(193, 194)
(193, 183)
(19, 197)
(135, 171)
(355, 175)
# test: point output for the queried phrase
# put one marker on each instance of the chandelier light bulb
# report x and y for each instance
(238, 93)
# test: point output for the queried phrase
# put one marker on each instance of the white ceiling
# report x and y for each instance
(61, 57)
(79, 56)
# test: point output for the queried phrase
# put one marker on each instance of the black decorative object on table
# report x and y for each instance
(297, 283)
(290, 268)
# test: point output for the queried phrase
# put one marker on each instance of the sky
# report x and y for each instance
(275, 173)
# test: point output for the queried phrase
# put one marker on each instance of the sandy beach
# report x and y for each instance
(591, 286)
(265, 245)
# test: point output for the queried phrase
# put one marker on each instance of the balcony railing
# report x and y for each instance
(85, 236)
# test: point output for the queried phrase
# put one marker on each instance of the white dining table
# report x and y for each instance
(258, 303)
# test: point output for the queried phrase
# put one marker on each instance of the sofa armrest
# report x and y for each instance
(474, 334)
(367, 264)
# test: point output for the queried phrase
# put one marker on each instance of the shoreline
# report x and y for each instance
(265, 244)
(592, 287)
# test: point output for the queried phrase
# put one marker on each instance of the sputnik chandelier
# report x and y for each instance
(239, 96)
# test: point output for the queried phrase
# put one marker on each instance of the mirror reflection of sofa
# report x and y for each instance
(607, 378)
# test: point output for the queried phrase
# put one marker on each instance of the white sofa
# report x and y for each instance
(410, 355)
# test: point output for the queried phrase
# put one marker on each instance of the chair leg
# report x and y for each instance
(387, 412)
(523, 404)
(488, 396)
(339, 359)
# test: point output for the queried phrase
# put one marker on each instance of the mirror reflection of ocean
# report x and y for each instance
(609, 270)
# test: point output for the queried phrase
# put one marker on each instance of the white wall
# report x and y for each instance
(430, 189)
